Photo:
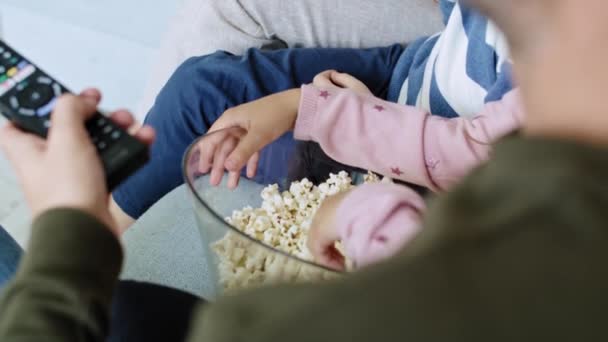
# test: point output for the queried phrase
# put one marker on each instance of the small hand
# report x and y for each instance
(323, 233)
(65, 170)
(332, 79)
(243, 131)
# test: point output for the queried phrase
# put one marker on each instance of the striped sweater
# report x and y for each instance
(455, 72)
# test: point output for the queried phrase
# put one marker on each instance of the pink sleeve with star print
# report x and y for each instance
(400, 142)
(376, 220)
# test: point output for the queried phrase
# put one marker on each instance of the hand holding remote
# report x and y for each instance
(65, 170)
(28, 96)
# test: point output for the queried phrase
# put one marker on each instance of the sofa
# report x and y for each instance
(164, 246)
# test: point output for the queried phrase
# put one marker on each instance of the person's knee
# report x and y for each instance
(177, 92)
(184, 110)
(182, 99)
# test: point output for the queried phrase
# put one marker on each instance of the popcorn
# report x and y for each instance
(371, 178)
(282, 222)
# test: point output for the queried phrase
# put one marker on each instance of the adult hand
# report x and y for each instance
(251, 127)
(323, 233)
(332, 79)
(65, 170)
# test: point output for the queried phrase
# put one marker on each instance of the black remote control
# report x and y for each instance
(27, 98)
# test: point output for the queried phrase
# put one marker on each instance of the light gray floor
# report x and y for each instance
(109, 44)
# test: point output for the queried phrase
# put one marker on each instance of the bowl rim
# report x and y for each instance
(198, 198)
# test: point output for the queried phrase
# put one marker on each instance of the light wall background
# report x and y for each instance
(104, 43)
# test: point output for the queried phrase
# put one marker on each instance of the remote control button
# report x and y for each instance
(1, 49)
(101, 121)
(7, 55)
(14, 102)
(47, 108)
(116, 135)
(22, 65)
(6, 85)
(107, 129)
(27, 112)
(22, 86)
(44, 80)
(25, 73)
(2, 69)
(35, 96)
(57, 89)
(11, 72)
(47, 123)
(102, 145)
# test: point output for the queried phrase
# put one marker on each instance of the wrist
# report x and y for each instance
(292, 99)
(304, 128)
(102, 216)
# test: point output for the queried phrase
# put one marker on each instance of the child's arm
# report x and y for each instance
(400, 141)
(372, 221)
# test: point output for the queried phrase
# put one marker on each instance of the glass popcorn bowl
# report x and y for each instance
(238, 257)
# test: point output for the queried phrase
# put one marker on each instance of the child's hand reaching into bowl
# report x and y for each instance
(323, 233)
(247, 129)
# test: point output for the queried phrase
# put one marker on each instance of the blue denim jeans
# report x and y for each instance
(10, 253)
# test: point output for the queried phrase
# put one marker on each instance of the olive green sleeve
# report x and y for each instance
(517, 252)
(64, 285)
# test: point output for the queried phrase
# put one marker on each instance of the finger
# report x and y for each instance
(123, 118)
(324, 252)
(207, 151)
(252, 165)
(146, 134)
(233, 179)
(324, 75)
(220, 124)
(230, 118)
(314, 246)
(23, 150)
(348, 81)
(245, 149)
(135, 127)
(93, 94)
(207, 147)
(69, 116)
(332, 258)
(323, 80)
(219, 160)
(315, 240)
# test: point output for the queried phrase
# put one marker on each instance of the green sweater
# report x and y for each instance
(517, 252)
